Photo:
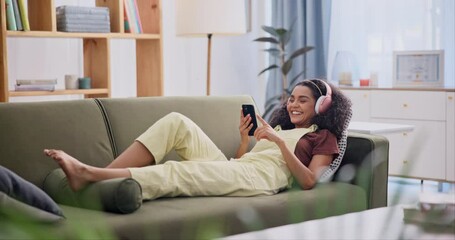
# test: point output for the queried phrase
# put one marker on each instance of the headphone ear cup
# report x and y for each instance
(323, 104)
(317, 106)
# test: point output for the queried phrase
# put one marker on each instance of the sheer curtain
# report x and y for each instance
(372, 29)
(311, 29)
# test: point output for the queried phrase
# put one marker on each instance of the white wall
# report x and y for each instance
(236, 60)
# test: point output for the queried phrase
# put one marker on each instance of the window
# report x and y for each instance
(372, 29)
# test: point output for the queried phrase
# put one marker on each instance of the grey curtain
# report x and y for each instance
(311, 28)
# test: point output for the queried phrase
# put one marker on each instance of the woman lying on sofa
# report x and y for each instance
(300, 142)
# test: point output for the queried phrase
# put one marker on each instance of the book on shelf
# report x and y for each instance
(83, 19)
(137, 16)
(24, 15)
(83, 28)
(67, 9)
(129, 17)
(126, 22)
(34, 87)
(36, 81)
(10, 19)
(17, 15)
(81, 16)
(132, 16)
(35, 84)
(86, 22)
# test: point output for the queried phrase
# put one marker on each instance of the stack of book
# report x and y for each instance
(83, 19)
(16, 15)
(35, 84)
(433, 208)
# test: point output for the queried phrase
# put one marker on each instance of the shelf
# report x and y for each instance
(96, 47)
(58, 92)
(33, 34)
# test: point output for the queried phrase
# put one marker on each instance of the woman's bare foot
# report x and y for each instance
(77, 173)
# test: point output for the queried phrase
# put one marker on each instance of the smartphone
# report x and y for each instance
(249, 109)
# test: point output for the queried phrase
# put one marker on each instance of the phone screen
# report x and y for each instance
(249, 109)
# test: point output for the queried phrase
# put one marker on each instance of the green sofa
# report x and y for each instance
(97, 130)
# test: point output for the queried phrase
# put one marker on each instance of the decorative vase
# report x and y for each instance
(344, 71)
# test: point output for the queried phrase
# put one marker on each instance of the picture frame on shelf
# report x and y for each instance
(418, 68)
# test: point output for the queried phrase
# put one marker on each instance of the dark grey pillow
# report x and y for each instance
(14, 209)
(16, 189)
(119, 195)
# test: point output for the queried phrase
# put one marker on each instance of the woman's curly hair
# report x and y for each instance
(333, 119)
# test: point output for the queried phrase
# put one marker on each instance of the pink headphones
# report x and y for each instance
(324, 101)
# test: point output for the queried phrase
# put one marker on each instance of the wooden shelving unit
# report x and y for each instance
(96, 48)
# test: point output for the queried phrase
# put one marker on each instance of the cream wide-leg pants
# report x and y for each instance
(206, 171)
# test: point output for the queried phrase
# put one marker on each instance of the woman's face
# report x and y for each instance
(300, 106)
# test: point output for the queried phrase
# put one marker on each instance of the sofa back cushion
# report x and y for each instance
(76, 126)
(218, 116)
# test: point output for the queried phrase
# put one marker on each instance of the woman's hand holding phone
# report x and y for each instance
(248, 121)
(245, 127)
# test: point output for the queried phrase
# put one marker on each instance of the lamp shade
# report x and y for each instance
(217, 17)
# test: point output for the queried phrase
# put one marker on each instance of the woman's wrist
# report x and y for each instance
(244, 143)
(280, 142)
(244, 140)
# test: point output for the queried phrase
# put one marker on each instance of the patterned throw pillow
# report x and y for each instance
(342, 144)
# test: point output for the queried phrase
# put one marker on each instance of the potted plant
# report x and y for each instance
(279, 39)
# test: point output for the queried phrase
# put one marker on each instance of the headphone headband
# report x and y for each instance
(314, 84)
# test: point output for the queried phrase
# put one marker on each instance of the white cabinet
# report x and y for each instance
(426, 152)
(419, 153)
(450, 136)
(360, 104)
(418, 105)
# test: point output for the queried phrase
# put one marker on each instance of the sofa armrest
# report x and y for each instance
(365, 164)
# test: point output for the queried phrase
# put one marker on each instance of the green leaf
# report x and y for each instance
(266, 39)
(285, 38)
(273, 51)
(300, 51)
(286, 67)
(268, 68)
(270, 30)
(281, 31)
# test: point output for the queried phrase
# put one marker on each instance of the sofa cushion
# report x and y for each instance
(120, 195)
(213, 217)
(17, 194)
(77, 127)
(218, 116)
